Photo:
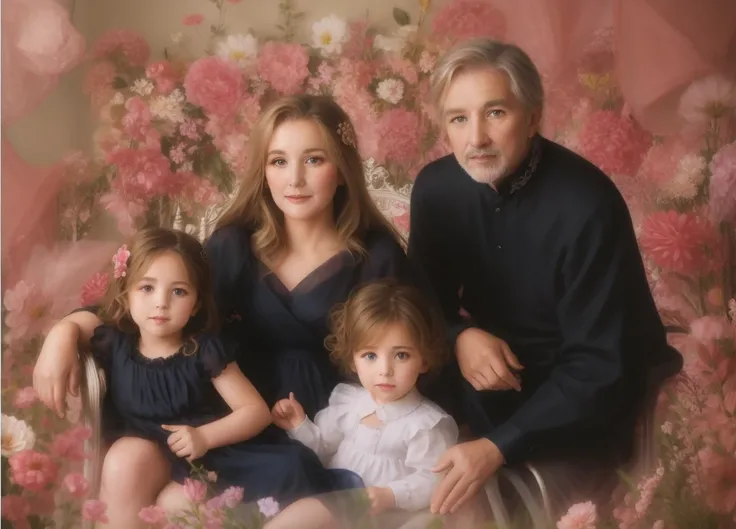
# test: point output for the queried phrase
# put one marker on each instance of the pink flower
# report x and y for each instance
(614, 143)
(659, 524)
(722, 188)
(164, 75)
(24, 398)
(125, 210)
(152, 515)
(231, 497)
(713, 97)
(98, 83)
(579, 516)
(466, 19)
(16, 509)
(29, 312)
(399, 136)
(76, 484)
(283, 66)
(32, 470)
(711, 328)
(127, 43)
(268, 507)
(95, 511)
(719, 479)
(94, 289)
(660, 162)
(142, 173)
(680, 242)
(192, 20)
(195, 490)
(214, 84)
(120, 261)
(70, 444)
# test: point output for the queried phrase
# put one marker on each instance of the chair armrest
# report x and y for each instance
(93, 388)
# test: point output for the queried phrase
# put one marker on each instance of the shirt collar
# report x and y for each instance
(521, 176)
(390, 411)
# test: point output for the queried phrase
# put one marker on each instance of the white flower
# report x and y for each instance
(426, 61)
(240, 49)
(177, 37)
(391, 90)
(397, 42)
(16, 436)
(170, 107)
(268, 507)
(667, 428)
(117, 99)
(691, 167)
(328, 34)
(142, 87)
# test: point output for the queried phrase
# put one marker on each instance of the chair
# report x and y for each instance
(93, 389)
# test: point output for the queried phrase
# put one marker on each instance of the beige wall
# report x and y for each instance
(63, 121)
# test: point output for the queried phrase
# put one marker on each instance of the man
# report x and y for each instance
(537, 246)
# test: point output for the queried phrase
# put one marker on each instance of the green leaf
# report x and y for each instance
(401, 17)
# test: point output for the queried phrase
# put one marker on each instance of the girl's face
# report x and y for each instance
(299, 174)
(390, 364)
(164, 298)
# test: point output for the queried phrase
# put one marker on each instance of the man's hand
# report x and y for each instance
(484, 361)
(381, 498)
(469, 466)
(186, 441)
(288, 414)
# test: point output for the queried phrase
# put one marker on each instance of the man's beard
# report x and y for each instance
(486, 173)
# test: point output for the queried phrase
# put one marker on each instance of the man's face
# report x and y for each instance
(487, 126)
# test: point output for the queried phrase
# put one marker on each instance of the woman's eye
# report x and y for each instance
(278, 162)
(402, 356)
(314, 160)
(146, 288)
(180, 292)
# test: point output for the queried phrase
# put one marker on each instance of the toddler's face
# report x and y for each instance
(389, 365)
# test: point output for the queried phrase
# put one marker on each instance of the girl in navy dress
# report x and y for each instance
(171, 381)
(299, 235)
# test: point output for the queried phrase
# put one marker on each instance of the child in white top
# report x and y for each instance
(382, 429)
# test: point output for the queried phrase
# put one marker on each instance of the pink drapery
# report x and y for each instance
(660, 46)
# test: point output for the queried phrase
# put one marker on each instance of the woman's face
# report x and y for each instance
(301, 177)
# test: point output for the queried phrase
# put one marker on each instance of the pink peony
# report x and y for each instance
(614, 143)
(137, 122)
(195, 490)
(142, 173)
(95, 511)
(722, 188)
(719, 479)
(399, 136)
(681, 242)
(152, 515)
(466, 19)
(94, 289)
(164, 75)
(579, 516)
(661, 161)
(69, 445)
(215, 84)
(16, 509)
(32, 470)
(192, 20)
(76, 484)
(124, 42)
(25, 398)
(284, 66)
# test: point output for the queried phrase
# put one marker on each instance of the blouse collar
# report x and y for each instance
(390, 411)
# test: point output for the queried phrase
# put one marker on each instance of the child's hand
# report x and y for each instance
(287, 414)
(186, 441)
(381, 498)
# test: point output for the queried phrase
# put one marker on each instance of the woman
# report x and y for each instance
(299, 235)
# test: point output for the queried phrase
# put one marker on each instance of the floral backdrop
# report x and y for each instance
(172, 128)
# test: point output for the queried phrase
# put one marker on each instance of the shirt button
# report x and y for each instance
(498, 247)
(498, 209)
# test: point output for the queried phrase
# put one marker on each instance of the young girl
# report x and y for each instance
(171, 381)
(385, 335)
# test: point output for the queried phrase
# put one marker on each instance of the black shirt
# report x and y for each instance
(550, 264)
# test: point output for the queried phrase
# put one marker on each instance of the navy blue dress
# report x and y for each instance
(145, 393)
(277, 334)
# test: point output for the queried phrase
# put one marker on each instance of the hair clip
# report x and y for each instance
(120, 261)
(346, 132)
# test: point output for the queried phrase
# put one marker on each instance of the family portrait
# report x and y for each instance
(413, 264)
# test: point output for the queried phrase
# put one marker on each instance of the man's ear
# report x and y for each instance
(535, 121)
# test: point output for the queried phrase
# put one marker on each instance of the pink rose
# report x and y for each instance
(70, 444)
(152, 515)
(95, 511)
(215, 84)
(32, 470)
(284, 66)
(76, 484)
(16, 509)
(195, 490)
(25, 398)
(579, 516)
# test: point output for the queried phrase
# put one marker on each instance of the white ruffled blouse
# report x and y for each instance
(400, 454)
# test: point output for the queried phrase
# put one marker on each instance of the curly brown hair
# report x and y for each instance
(370, 308)
(145, 246)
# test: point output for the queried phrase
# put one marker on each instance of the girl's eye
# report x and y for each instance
(369, 356)
(402, 356)
(180, 292)
(278, 162)
(146, 288)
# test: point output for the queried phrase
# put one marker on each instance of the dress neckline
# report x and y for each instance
(315, 277)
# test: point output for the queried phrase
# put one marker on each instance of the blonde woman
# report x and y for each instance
(300, 234)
